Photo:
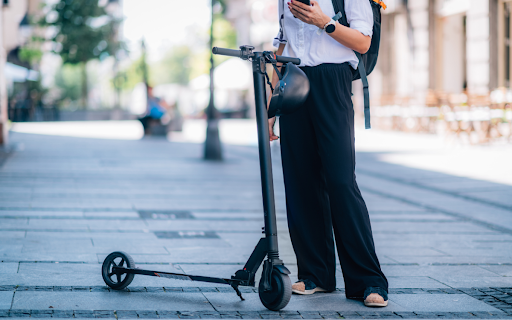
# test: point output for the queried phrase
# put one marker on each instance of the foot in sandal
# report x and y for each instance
(375, 297)
(305, 287)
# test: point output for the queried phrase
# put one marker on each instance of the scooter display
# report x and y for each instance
(274, 288)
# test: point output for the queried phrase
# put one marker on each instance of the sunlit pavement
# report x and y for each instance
(70, 193)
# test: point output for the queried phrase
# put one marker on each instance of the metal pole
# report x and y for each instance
(212, 144)
(3, 90)
(144, 70)
(267, 184)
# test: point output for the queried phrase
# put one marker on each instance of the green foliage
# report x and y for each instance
(181, 64)
(30, 54)
(84, 30)
(173, 68)
(131, 75)
(200, 63)
(68, 80)
(224, 35)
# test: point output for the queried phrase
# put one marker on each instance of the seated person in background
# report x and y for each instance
(156, 109)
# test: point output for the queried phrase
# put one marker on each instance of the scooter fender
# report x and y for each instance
(282, 269)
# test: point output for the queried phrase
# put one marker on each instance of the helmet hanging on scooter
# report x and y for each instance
(291, 91)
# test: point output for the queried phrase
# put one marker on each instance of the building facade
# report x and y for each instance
(449, 54)
(14, 32)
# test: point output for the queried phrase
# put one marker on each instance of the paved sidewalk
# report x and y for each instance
(444, 241)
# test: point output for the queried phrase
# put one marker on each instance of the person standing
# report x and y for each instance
(323, 200)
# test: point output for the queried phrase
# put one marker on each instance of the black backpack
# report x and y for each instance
(368, 60)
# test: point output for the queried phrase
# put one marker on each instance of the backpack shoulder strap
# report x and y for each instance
(339, 6)
(362, 73)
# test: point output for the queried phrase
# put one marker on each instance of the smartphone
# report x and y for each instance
(305, 2)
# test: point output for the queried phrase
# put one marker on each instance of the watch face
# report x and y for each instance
(330, 28)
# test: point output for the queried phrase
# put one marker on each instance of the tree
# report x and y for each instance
(84, 31)
(173, 68)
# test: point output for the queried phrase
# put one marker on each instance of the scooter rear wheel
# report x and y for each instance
(117, 281)
(277, 298)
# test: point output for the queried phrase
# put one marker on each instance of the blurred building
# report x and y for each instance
(255, 21)
(444, 54)
(14, 32)
(442, 45)
(3, 90)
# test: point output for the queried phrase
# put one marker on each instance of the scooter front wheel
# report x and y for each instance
(117, 281)
(277, 298)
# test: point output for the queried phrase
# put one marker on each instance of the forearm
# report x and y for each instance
(275, 78)
(351, 38)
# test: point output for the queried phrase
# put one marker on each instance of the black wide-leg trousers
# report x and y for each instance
(317, 150)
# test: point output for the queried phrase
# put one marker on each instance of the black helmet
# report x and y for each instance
(290, 92)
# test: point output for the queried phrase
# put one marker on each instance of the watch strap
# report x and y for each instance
(336, 17)
(328, 23)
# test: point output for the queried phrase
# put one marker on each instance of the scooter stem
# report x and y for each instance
(267, 184)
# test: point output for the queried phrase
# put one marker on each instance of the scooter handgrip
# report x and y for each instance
(288, 59)
(227, 52)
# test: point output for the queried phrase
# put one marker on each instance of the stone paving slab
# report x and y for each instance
(66, 234)
(415, 282)
(8, 267)
(5, 299)
(111, 301)
(334, 302)
(58, 268)
(36, 256)
(464, 282)
(40, 214)
(503, 270)
(103, 214)
(451, 260)
(436, 271)
(325, 302)
(49, 279)
(479, 212)
(440, 303)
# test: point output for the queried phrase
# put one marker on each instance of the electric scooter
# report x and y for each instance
(274, 288)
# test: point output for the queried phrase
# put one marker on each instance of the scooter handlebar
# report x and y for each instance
(284, 59)
(227, 52)
(238, 53)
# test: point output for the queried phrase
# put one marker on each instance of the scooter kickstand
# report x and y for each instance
(235, 287)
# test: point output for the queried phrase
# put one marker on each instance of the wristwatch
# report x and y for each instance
(330, 26)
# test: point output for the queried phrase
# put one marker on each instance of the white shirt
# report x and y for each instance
(303, 41)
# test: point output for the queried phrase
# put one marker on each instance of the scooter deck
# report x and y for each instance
(172, 275)
(234, 283)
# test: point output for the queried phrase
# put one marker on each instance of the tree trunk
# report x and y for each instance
(84, 86)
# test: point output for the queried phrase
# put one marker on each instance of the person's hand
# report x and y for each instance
(312, 14)
(271, 133)
(271, 123)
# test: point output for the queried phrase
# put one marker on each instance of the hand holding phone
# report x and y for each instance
(307, 2)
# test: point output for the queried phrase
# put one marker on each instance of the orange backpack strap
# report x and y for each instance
(381, 3)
